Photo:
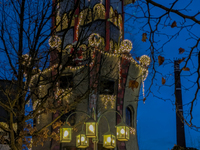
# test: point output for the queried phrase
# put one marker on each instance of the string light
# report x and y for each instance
(126, 44)
(63, 93)
(38, 118)
(108, 98)
(120, 26)
(132, 130)
(78, 24)
(119, 65)
(144, 62)
(95, 40)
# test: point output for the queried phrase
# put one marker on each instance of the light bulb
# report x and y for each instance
(82, 139)
(113, 141)
(78, 141)
(108, 139)
(122, 131)
(91, 128)
(66, 133)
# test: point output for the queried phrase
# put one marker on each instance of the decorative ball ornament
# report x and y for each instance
(145, 60)
(54, 41)
(94, 39)
(126, 46)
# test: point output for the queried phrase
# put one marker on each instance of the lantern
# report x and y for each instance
(66, 133)
(81, 140)
(122, 132)
(109, 140)
(91, 128)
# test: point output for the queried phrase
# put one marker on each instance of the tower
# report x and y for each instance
(179, 107)
(96, 68)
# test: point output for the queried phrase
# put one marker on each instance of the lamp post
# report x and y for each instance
(91, 128)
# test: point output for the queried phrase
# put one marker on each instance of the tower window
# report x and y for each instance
(107, 87)
(129, 116)
(66, 81)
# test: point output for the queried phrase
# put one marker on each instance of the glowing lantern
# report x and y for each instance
(109, 140)
(91, 128)
(122, 132)
(66, 133)
(81, 140)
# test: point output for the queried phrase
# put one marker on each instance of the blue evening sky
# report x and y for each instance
(156, 126)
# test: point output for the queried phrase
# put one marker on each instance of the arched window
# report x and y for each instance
(129, 116)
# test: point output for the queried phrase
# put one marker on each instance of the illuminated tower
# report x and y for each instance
(99, 71)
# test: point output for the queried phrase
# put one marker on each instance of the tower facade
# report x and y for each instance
(96, 69)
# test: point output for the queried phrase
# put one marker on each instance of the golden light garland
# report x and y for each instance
(132, 130)
(144, 70)
(34, 107)
(120, 26)
(95, 40)
(144, 62)
(78, 25)
(38, 118)
(119, 66)
(63, 93)
(108, 98)
(42, 72)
